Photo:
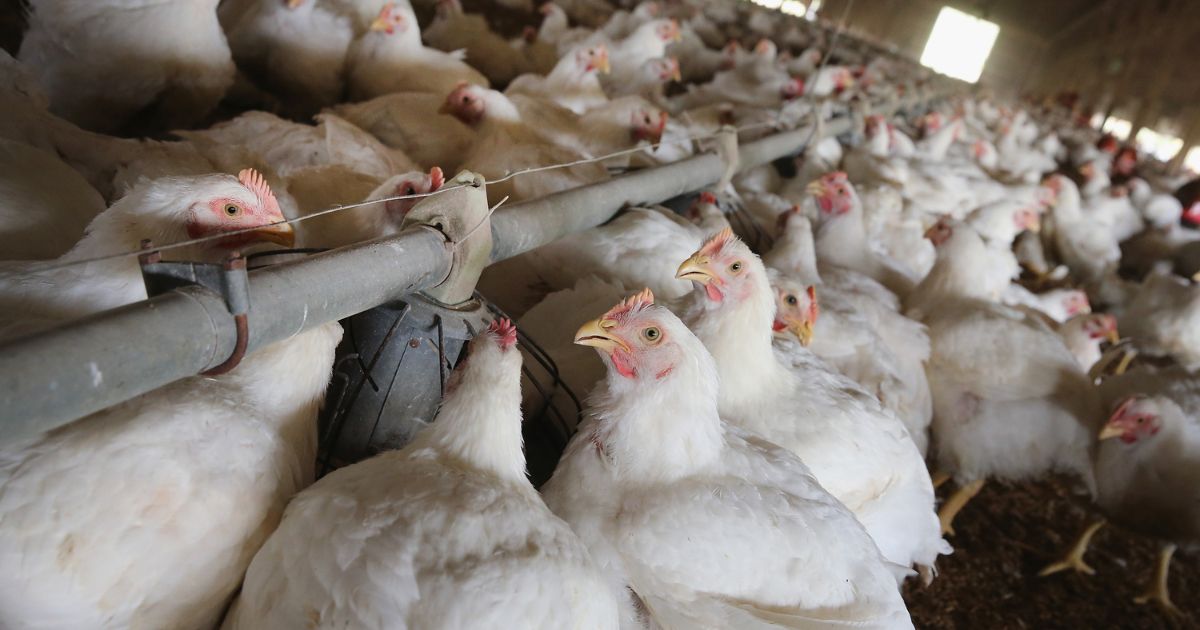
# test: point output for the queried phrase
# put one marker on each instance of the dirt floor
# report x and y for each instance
(1008, 533)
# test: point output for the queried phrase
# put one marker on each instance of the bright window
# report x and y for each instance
(1160, 145)
(813, 7)
(1118, 127)
(959, 45)
(791, 7)
(1097, 120)
(1192, 160)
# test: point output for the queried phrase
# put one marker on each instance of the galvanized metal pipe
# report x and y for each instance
(49, 379)
(52, 378)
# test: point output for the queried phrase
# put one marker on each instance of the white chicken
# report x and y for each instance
(860, 452)
(384, 61)
(506, 142)
(445, 533)
(1087, 247)
(470, 37)
(656, 484)
(1083, 334)
(147, 513)
(1010, 399)
(106, 515)
(128, 65)
(164, 211)
(842, 239)
(45, 205)
(861, 332)
(572, 83)
(409, 122)
(296, 49)
(1146, 467)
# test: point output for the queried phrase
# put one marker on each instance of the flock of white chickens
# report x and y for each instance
(780, 366)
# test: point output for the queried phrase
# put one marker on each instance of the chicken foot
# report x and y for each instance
(955, 504)
(1158, 591)
(1073, 558)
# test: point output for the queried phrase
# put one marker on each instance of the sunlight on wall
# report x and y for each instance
(791, 7)
(1160, 145)
(959, 45)
(1118, 127)
(1192, 160)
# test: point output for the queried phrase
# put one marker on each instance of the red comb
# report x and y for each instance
(436, 178)
(717, 241)
(633, 303)
(814, 307)
(254, 182)
(707, 197)
(503, 330)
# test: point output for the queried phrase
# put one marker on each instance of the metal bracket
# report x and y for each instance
(460, 215)
(229, 280)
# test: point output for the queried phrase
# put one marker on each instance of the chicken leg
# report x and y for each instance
(955, 504)
(939, 478)
(1157, 591)
(1073, 558)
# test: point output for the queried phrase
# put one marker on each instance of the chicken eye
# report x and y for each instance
(652, 334)
(791, 300)
(232, 210)
(736, 267)
(1141, 421)
(408, 190)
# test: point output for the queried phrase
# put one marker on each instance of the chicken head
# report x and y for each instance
(408, 185)
(1076, 303)
(1101, 326)
(941, 231)
(722, 268)
(668, 31)
(1136, 418)
(390, 20)
(593, 59)
(792, 89)
(246, 209)
(646, 125)
(465, 103)
(636, 338)
(834, 193)
(796, 312)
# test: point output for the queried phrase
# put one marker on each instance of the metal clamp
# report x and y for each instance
(228, 279)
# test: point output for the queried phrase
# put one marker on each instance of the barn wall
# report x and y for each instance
(906, 24)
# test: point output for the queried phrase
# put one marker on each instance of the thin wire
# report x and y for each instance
(481, 221)
(833, 41)
(39, 268)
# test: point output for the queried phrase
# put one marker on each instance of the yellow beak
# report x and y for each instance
(1036, 226)
(696, 269)
(379, 24)
(602, 65)
(802, 329)
(1110, 431)
(281, 233)
(816, 188)
(292, 4)
(676, 75)
(596, 334)
(1113, 337)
